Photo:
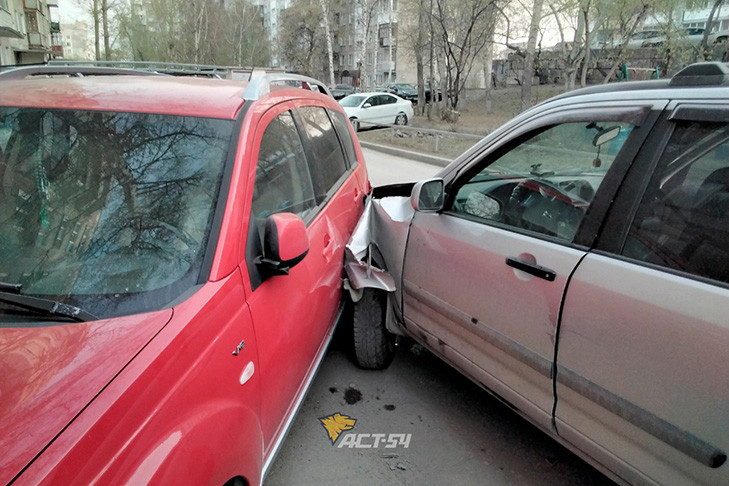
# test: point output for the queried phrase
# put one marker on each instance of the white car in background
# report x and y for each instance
(376, 109)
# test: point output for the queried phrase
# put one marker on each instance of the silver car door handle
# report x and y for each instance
(532, 268)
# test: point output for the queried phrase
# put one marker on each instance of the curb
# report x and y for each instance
(408, 154)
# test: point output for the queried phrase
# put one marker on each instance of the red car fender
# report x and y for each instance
(178, 409)
(212, 444)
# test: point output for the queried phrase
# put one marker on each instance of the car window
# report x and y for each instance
(388, 100)
(373, 100)
(342, 125)
(283, 182)
(326, 158)
(545, 183)
(682, 222)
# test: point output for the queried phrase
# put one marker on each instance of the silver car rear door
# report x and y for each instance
(643, 362)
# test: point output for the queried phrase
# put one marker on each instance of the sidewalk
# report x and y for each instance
(408, 154)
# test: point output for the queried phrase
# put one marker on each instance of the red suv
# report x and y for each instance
(171, 258)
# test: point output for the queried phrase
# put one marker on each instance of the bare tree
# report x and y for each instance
(366, 11)
(95, 15)
(528, 74)
(105, 24)
(328, 38)
(463, 32)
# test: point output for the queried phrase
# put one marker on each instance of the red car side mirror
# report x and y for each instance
(285, 243)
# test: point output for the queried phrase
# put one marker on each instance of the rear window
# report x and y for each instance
(107, 211)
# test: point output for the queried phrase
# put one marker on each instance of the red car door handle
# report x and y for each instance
(531, 268)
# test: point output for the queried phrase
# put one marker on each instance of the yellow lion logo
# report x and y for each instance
(336, 424)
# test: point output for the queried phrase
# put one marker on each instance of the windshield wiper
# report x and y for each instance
(10, 287)
(10, 294)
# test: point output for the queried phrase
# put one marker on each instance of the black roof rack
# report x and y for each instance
(702, 74)
(22, 72)
(173, 68)
(260, 81)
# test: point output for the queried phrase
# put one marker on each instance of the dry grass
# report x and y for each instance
(473, 119)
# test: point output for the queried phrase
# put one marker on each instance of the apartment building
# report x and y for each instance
(28, 34)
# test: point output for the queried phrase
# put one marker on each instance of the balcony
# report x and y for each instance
(8, 27)
(36, 40)
(31, 4)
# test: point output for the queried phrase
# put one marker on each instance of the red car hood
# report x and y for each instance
(49, 374)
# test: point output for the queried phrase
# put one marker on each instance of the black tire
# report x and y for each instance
(355, 124)
(401, 119)
(374, 345)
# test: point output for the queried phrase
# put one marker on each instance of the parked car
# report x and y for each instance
(171, 270)
(376, 109)
(405, 91)
(428, 98)
(575, 263)
(689, 37)
(638, 39)
(339, 91)
(718, 35)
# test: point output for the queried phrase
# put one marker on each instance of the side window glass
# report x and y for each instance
(682, 222)
(341, 123)
(326, 161)
(546, 183)
(372, 101)
(283, 183)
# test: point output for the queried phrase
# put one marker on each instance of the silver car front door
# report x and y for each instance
(483, 281)
(643, 362)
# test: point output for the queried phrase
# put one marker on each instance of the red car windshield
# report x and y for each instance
(107, 211)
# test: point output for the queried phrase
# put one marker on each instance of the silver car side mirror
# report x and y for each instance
(428, 195)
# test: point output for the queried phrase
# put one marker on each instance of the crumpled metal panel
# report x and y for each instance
(384, 224)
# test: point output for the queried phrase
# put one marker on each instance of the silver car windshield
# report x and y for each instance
(108, 211)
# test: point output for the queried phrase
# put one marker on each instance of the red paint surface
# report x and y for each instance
(156, 398)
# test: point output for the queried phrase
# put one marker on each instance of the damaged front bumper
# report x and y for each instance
(375, 252)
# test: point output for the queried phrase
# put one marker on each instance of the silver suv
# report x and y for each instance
(576, 264)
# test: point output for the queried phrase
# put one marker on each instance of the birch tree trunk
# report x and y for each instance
(328, 35)
(97, 40)
(528, 74)
(105, 25)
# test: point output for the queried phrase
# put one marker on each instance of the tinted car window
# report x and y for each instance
(546, 183)
(326, 159)
(342, 125)
(283, 182)
(683, 219)
(108, 211)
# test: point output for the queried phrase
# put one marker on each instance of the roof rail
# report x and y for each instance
(174, 68)
(22, 72)
(702, 74)
(260, 85)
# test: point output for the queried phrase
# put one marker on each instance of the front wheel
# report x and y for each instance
(374, 345)
(401, 119)
(355, 124)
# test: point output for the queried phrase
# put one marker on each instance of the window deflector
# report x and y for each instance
(702, 148)
(635, 115)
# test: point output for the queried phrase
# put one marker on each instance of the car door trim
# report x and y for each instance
(538, 363)
(679, 439)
